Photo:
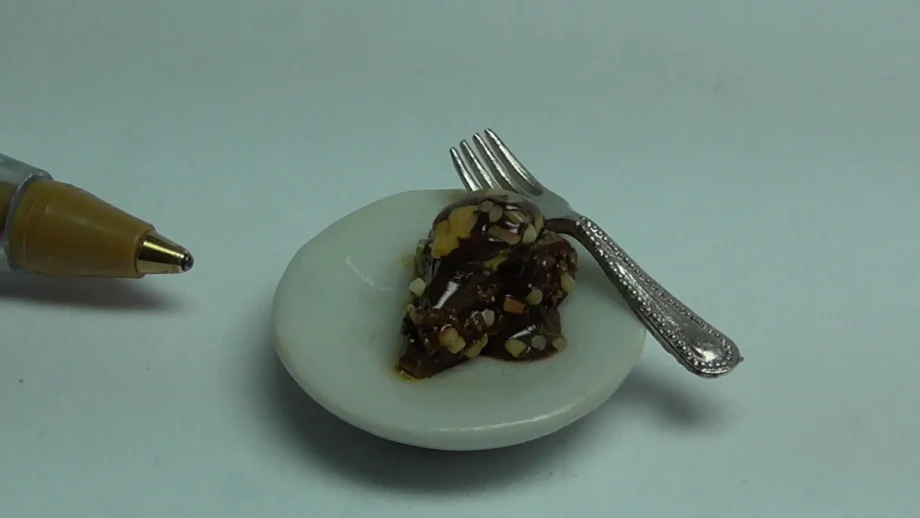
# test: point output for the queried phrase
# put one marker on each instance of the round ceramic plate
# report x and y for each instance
(336, 319)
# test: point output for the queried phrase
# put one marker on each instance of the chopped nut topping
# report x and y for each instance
(515, 347)
(529, 235)
(448, 337)
(417, 287)
(495, 192)
(535, 296)
(516, 217)
(448, 233)
(538, 342)
(514, 306)
(560, 343)
(504, 234)
(495, 214)
(568, 283)
(476, 347)
(488, 316)
(457, 346)
(495, 262)
(462, 220)
(444, 243)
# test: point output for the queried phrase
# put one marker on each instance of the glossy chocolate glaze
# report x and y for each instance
(489, 282)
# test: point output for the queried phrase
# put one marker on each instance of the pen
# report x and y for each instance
(53, 228)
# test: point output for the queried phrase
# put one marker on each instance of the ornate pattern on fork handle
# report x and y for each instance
(701, 349)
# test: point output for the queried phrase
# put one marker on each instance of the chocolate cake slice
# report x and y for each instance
(489, 282)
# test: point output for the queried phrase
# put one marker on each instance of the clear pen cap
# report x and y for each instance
(14, 177)
(14, 173)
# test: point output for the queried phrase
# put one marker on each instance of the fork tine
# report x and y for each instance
(484, 179)
(499, 173)
(521, 172)
(466, 177)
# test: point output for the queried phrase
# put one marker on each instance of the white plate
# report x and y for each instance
(336, 320)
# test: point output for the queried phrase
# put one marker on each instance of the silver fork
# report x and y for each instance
(699, 347)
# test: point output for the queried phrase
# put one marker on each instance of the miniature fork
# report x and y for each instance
(699, 347)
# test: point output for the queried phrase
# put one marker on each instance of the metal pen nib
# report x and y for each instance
(158, 255)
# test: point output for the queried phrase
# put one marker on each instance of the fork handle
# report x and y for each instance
(699, 347)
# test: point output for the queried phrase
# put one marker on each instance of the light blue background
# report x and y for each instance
(759, 157)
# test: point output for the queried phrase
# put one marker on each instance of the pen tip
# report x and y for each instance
(158, 255)
(187, 262)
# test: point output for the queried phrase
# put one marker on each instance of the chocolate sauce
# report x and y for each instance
(489, 281)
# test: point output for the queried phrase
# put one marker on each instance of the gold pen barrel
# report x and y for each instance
(60, 230)
(7, 193)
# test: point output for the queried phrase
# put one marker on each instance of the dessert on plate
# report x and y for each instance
(488, 281)
(340, 305)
